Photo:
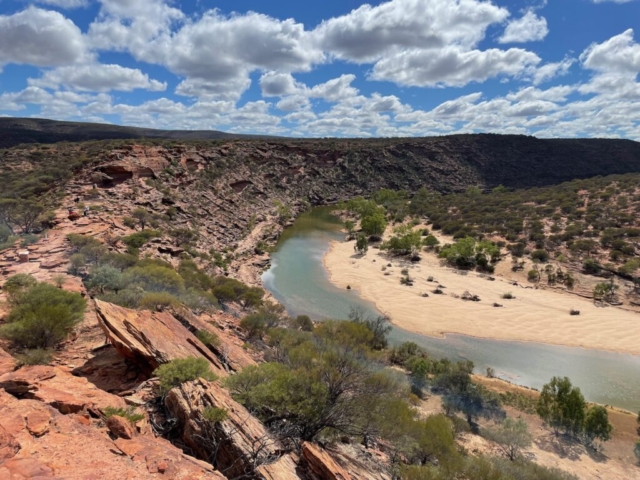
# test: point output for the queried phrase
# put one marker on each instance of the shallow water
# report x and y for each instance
(298, 279)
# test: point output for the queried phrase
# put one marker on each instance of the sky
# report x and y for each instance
(327, 68)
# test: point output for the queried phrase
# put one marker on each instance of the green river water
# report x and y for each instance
(298, 279)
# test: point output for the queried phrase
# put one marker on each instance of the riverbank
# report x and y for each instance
(535, 315)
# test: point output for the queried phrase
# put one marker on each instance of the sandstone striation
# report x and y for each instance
(151, 338)
(241, 441)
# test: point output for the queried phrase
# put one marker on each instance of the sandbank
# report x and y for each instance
(535, 315)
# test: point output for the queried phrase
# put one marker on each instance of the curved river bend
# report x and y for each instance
(298, 279)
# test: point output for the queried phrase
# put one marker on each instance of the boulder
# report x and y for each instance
(242, 441)
(120, 427)
(151, 338)
(58, 388)
(322, 464)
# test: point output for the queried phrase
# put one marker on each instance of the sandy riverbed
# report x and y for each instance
(535, 315)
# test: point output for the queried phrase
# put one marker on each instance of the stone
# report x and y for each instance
(38, 422)
(121, 427)
(151, 338)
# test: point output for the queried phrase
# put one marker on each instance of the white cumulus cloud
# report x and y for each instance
(39, 37)
(529, 28)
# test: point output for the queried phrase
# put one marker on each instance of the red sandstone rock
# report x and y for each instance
(151, 338)
(321, 463)
(121, 427)
(73, 450)
(284, 468)
(7, 362)
(229, 351)
(58, 388)
(241, 437)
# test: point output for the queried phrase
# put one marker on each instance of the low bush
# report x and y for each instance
(215, 414)
(36, 356)
(43, 317)
(137, 240)
(128, 413)
(208, 338)
(158, 300)
(179, 371)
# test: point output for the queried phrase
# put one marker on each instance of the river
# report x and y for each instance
(298, 279)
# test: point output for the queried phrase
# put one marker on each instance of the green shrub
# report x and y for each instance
(128, 413)
(533, 275)
(208, 338)
(155, 278)
(540, 255)
(303, 322)
(374, 225)
(129, 222)
(214, 414)
(36, 356)
(44, 316)
(80, 241)
(29, 239)
(154, 300)
(139, 239)
(76, 262)
(228, 289)
(179, 371)
(121, 261)
(17, 285)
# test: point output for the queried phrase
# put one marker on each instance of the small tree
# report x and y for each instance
(106, 277)
(512, 436)
(142, 216)
(431, 241)
(362, 244)
(350, 226)
(374, 225)
(605, 291)
(596, 425)
(562, 406)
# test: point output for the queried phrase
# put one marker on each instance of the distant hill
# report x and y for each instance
(16, 131)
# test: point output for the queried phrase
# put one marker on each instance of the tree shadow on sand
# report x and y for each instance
(566, 447)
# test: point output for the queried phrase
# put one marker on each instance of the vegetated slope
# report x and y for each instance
(227, 182)
(16, 131)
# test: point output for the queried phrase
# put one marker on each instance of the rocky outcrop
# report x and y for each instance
(285, 468)
(151, 338)
(57, 388)
(38, 442)
(241, 441)
(342, 462)
(229, 349)
(321, 463)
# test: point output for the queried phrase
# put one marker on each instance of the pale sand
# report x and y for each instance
(536, 315)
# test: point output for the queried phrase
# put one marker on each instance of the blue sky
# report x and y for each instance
(550, 68)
